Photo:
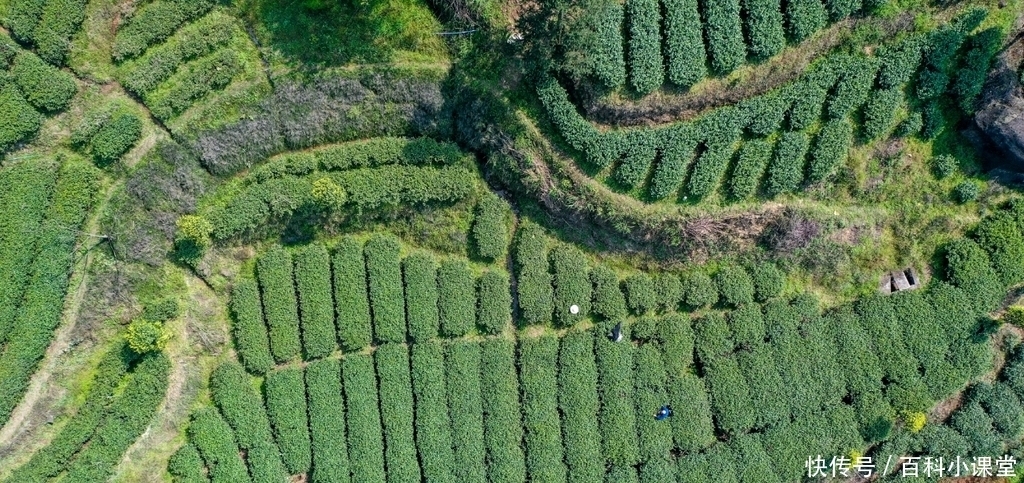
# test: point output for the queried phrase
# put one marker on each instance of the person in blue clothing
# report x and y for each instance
(663, 413)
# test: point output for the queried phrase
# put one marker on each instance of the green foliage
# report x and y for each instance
(115, 138)
(1014, 315)
(186, 466)
(531, 261)
(537, 370)
(490, 229)
(747, 325)
(243, 409)
(975, 425)
(765, 112)
(713, 338)
(684, 47)
(945, 165)
(730, 395)
(192, 237)
(689, 397)
(350, 294)
(699, 290)
(804, 18)
(735, 285)
(46, 87)
(1003, 405)
(456, 298)
(911, 126)
(669, 291)
(1001, 237)
(934, 118)
(966, 191)
(609, 64)
(328, 195)
(709, 169)
(786, 170)
(574, 128)
(724, 33)
(640, 151)
(153, 23)
(880, 112)
(609, 302)
(494, 302)
(214, 440)
(327, 422)
(641, 296)
(970, 78)
(571, 283)
(384, 273)
(195, 81)
(18, 120)
(286, 409)
(23, 17)
(462, 375)
(676, 157)
(808, 101)
(767, 389)
(433, 426)
(676, 338)
(764, 27)
(578, 403)
(316, 305)
(750, 167)
(420, 272)
(898, 62)
(857, 76)
(931, 84)
(365, 435)
(274, 272)
(617, 415)
(503, 433)
(830, 149)
(654, 437)
(60, 21)
(646, 70)
(768, 280)
(396, 412)
(144, 336)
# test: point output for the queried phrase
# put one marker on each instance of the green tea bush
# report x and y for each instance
(931, 84)
(735, 285)
(609, 302)
(538, 359)
(46, 87)
(641, 296)
(23, 17)
(384, 273)
(420, 275)
(433, 425)
(723, 462)
(494, 302)
(193, 41)
(808, 101)
(699, 290)
(503, 433)
(764, 26)
(854, 86)
(804, 18)
(975, 425)
(768, 280)
(573, 127)
(750, 167)
(639, 155)
(578, 403)
(531, 260)
(1001, 237)
(186, 466)
(617, 414)
(609, 64)
(880, 112)
(709, 169)
(571, 281)
(786, 171)
(765, 112)
(286, 409)
(198, 79)
(945, 165)
(250, 332)
(767, 389)
(153, 23)
(911, 126)
(59, 22)
(747, 325)
(676, 338)
(898, 62)
(966, 191)
(649, 394)
(116, 137)
(970, 78)
(713, 339)
(18, 120)
(274, 272)
(327, 422)
(350, 295)
(934, 119)
(243, 409)
(456, 291)
(688, 395)
(396, 412)
(830, 150)
(365, 435)
(490, 228)
(646, 71)
(316, 305)
(462, 375)
(676, 157)
(840, 9)
(724, 34)
(669, 290)
(215, 443)
(730, 395)
(1006, 411)
(684, 47)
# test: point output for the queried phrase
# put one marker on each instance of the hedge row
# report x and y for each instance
(735, 285)
(243, 409)
(609, 302)
(286, 408)
(494, 302)
(750, 167)
(641, 296)
(712, 337)
(354, 327)
(420, 275)
(898, 62)
(153, 23)
(465, 403)
(699, 290)
(542, 434)
(804, 18)
(617, 415)
(457, 298)
(730, 395)
(669, 291)
(215, 442)
(808, 102)
(316, 304)
(384, 272)
(186, 465)
(535, 290)
(640, 151)
(746, 325)
(851, 92)
(646, 71)
(18, 121)
(709, 169)
(490, 229)
(764, 26)
(654, 437)
(786, 171)
(571, 281)
(765, 113)
(723, 31)
(578, 403)
(684, 47)
(433, 423)
(59, 22)
(970, 78)
(880, 112)
(197, 80)
(280, 307)
(327, 422)
(249, 330)
(830, 150)
(396, 412)
(676, 158)
(46, 87)
(767, 389)
(503, 423)
(365, 435)
(609, 64)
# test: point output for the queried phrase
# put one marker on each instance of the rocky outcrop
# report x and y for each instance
(1001, 116)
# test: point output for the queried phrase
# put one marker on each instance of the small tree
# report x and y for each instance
(144, 336)
(192, 237)
(966, 191)
(328, 195)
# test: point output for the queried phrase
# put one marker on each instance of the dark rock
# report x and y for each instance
(1001, 117)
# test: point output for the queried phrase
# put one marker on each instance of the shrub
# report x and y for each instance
(676, 338)
(503, 433)
(640, 151)
(693, 468)
(684, 47)
(764, 27)
(396, 412)
(421, 297)
(274, 272)
(730, 395)
(931, 84)
(354, 328)
(669, 291)
(654, 437)
(880, 112)
(243, 409)
(699, 290)
(18, 120)
(945, 165)
(153, 23)
(676, 157)
(23, 17)
(713, 339)
(609, 302)
(327, 422)
(433, 426)
(316, 306)
(115, 138)
(462, 375)
(60, 21)
(384, 272)
(609, 63)
(840, 9)
(1000, 236)
(934, 119)
(535, 290)
(571, 283)
(573, 127)
(767, 389)
(786, 170)
(328, 195)
(192, 237)
(830, 149)
(641, 296)
(804, 18)
(1004, 407)
(688, 396)
(709, 169)
(854, 86)
(966, 191)
(911, 126)
(577, 400)
(765, 112)
(747, 325)
(494, 302)
(976, 427)
(537, 369)
(898, 62)
(286, 408)
(198, 79)
(1014, 315)
(144, 336)
(768, 280)
(490, 231)
(456, 298)
(186, 466)
(750, 167)
(808, 101)
(365, 436)
(215, 442)
(44, 86)
(735, 285)
(970, 79)
(646, 70)
(724, 34)
(617, 414)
